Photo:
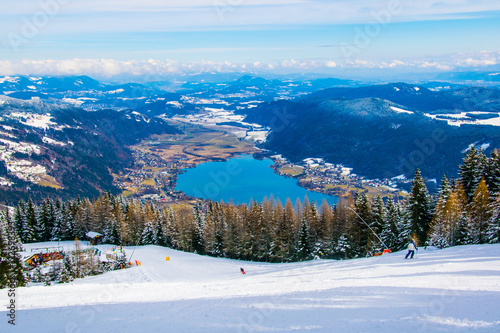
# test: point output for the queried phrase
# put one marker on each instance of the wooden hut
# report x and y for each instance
(94, 237)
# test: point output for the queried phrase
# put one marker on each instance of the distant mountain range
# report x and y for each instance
(384, 131)
(44, 147)
(71, 133)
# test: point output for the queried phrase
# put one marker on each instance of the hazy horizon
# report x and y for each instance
(365, 37)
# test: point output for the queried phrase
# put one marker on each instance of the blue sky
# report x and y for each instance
(113, 37)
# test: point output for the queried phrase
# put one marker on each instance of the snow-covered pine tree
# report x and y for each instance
(445, 188)
(343, 247)
(68, 268)
(493, 232)
(472, 170)
(437, 229)
(492, 173)
(10, 238)
(44, 224)
(159, 232)
(198, 237)
(111, 233)
(54, 271)
(389, 233)
(57, 222)
(148, 234)
(121, 261)
(304, 247)
(46, 279)
(68, 213)
(41, 221)
(28, 229)
(361, 234)
(4, 254)
(419, 208)
(37, 275)
(19, 218)
(64, 274)
(172, 229)
(379, 216)
(443, 192)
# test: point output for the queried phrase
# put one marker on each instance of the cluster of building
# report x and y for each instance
(317, 175)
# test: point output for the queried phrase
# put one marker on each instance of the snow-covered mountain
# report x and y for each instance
(57, 149)
(384, 131)
(451, 290)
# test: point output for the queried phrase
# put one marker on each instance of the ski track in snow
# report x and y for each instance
(451, 290)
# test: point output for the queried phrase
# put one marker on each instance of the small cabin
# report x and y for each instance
(94, 237)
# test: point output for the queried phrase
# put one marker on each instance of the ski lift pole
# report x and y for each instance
(380, 239)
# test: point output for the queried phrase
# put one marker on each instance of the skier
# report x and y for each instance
(242, 270)
(411, 249)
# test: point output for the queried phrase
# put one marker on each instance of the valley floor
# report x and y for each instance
(451, 290)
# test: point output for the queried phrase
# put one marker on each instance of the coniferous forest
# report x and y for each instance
(463, 211)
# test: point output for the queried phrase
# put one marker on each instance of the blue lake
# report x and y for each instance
(243, 179)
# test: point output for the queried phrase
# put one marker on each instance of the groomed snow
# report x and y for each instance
(451, 290)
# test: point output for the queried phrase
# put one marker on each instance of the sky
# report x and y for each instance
(113, 37)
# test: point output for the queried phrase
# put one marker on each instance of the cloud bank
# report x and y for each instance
(110, 67)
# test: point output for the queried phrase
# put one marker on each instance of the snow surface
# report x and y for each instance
(399, 110)
(451, 290)
(9, 79)
(462, 118)
(51, 141)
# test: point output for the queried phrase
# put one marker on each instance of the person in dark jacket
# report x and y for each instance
(242, 270)
(411, 249)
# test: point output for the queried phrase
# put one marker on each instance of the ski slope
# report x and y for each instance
(451, 290)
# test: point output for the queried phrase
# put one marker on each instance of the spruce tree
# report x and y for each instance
(11, 264)
(198, 238)
(4, 255)
(148, 234)
(19, 219)
(390, 232)
(343, 247)
(492, 173)
(304, 248)
(379, 215)
(111, 233)
(472, 170)
(64, 274)
(43, 226)
(360, 231)
(28, 228)
(419, 209)
(493, 231)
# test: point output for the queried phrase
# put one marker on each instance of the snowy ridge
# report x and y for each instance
(451, 290)
(399, 110)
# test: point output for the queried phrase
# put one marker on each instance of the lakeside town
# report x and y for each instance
(155, 179)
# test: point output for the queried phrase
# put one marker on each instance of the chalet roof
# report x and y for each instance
(93, 234)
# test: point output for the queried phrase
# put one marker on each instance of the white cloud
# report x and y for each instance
(331, 64)
(111, 67)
